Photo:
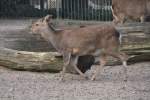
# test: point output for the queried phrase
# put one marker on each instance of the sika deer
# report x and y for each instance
(99, 41)
(130, 9)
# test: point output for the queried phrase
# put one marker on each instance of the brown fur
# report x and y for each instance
(99, 41)
(131, 9)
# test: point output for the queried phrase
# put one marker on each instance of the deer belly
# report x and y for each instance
(86, 51)
(97, 52)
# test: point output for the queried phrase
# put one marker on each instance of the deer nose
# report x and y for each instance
(30, 32)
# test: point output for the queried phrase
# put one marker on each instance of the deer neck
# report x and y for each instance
(51, 35)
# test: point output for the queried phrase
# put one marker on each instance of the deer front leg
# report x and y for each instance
(102, 64)
(125, 70)
(66, 58)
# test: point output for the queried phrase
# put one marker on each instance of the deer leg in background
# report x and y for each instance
(99, 68)
(74, 61)
(85, 62)
(115, 18)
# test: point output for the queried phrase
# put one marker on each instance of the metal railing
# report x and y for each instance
(84, 9)
(62, 9)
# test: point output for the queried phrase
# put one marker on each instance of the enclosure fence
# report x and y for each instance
(84, 9)
(99, 10)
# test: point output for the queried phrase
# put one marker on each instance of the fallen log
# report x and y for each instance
(39, 61)
(51, 61)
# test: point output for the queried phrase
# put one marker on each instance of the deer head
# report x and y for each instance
(42, 24)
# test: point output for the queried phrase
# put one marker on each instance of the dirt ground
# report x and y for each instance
(109, 85)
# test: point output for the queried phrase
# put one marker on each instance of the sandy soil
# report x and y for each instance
(109, 85)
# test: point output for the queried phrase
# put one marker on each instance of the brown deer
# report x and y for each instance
(130, 9)
(99, 41)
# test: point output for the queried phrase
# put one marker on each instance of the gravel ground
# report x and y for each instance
(109, 85)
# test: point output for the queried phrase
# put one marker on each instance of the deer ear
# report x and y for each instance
(48, 18)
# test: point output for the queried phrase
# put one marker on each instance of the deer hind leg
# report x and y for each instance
(66, 59)
(74, 61)
(123, 57)
(102, 64)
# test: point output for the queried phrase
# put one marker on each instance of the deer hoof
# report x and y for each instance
(61, 79)
(93, 78)
(85, 77)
